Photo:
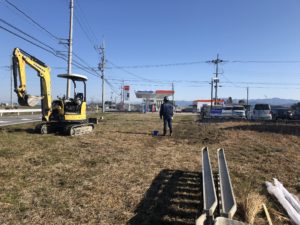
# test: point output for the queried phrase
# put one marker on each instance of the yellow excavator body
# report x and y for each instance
(65, 115)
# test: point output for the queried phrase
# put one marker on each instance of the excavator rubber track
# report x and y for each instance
(66, 129)
(78, 129)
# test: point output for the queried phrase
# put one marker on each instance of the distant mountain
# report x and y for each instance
(271, 101)
(274, 101)
(182, 103)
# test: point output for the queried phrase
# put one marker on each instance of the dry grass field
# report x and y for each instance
(120, 174)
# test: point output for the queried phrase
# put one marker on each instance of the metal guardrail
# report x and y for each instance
(18, 111)
(228, 203)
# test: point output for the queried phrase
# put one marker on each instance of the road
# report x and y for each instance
(12, 120)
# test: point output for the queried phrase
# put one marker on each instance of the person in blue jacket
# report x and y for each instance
(166, 113)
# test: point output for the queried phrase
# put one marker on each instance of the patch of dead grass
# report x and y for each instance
(103, 177)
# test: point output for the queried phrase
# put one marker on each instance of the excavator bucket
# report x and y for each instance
(30, 100)
(33, 100)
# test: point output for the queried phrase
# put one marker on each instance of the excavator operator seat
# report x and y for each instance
(74, 105)
(78, 99)
(79, 96)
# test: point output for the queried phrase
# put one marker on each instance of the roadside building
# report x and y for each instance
(198, 104)
(152, 100)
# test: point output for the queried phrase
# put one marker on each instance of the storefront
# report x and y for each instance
(152, 100)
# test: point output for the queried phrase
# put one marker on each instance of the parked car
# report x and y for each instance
(295, 115)
(227, 112)
(281, 114)
(216, 111)
(262, 112)
(249, 111)
(189, 109)
(239, 112)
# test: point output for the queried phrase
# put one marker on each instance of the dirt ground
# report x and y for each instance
(120, 174)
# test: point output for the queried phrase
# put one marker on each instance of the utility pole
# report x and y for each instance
(216, 79)
(247, 95)
(70, 46)
(173, 94)
(211, 94)
(101, 68)
(11, 86)
(123, 95)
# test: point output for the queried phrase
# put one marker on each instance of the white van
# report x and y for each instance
(262, 112)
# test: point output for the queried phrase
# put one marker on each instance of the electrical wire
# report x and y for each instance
(130, 73)
(229, 81)
(93, 72)
(87, 68)
(160, 65)
(111, 87)
(28, 35)
(269, 83)
(86, 22)
(84, 31)
(200, 62)
(39, 46)
(265, 61)
(32, 20)
(76, 64)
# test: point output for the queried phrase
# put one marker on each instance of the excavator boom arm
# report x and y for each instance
(19, 60)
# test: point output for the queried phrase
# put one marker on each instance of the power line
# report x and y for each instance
(89, 31)
(88, 69)
(28, 35)
(31, 19)
(160, 65)
(39, 46)
(86, 21)
(55, 52)
(84, 62)
(128, 72)
(262, 87)
(267, 83)
(229, 81)
(78, 65)
(200, 62)
(111, 87)
(84, 31)
(265, 61)
(162, 81)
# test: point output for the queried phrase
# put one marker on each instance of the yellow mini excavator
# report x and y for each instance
(65, 115)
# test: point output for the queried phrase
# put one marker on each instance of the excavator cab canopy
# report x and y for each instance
(74, 77)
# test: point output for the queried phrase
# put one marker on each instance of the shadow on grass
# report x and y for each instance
(142, 133)
(132, 132)
(20, 130)
(174, 198)
(272, 128)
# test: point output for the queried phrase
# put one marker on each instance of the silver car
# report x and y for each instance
(226, 112)
(262, 112)
(239, 112)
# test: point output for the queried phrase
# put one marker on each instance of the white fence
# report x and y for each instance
(18, 111)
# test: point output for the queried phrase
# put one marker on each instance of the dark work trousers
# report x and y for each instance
(167, 121)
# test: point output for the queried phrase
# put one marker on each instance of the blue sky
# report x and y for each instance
(140, 32)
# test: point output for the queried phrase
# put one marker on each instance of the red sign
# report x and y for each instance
(126, 88)
(166, 92)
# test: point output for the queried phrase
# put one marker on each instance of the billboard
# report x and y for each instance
(126, 89)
